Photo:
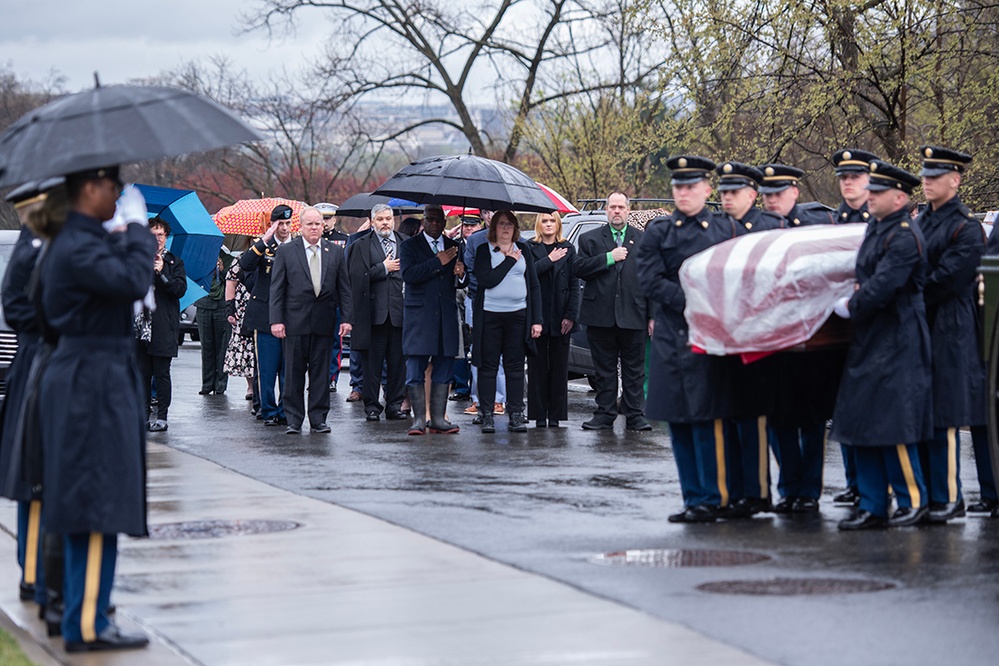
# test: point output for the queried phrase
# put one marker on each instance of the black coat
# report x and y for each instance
(612, 295)
(168, 287)
(758, 220)
(955, 243)
(293, 300)
(885, 397)
(684, 387)
(256, 264)
(430, 311)
(93, 416)
(487, 277)
(376, 293)
(560, 292)
(802, 217)
(846, 215)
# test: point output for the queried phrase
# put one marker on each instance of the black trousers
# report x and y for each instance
(385, 348)
(214, 331)
(548, 379)
(158, 368)
(307, 356)
(503, 335)
(607, 346)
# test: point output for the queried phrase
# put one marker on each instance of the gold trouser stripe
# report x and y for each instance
(764, 453)
(720, 460)
(910, 477)
(951, 464)
(91, 588)
(31, 546)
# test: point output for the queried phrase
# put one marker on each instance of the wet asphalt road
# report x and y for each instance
(554, 501)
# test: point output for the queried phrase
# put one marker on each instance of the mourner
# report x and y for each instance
(616, 315)
(885, 402)
(337, 237)
(691, 391)
(955, 243)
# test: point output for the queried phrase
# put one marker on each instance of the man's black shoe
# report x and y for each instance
(863, 520)
(598, 424)
(396, 416)
(941, 513)
(27, 592)
(849, 496)
(983, 506)
(488, 426)
(805, 505)
(273, 421)
(112, 638)
(458, 396)
(372, 417)
(293, 430)
(786, 505)
(907, 516)
(702, 513)
(553, 423)
(517, 422)
(332, 387)
(320, 428)
(747, 507)
(638, 424)
(204, 392)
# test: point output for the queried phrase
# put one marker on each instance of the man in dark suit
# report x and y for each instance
(337, 237)
(376, 293)
(309, 283)
(259, 260)
(616, 315)
(430, 264)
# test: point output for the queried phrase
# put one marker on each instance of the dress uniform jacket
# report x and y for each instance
(376, 293)
(559, 287)
(846, 215)
(758, 220)
(20, 314)
(802, 217)
(612, 295)
(168, 288)
(430, 309)
(684, 387)
(259, 259)
(885, 397)
(93, 416)
(955, 243)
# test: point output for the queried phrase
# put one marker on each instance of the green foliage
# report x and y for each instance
(10, 651)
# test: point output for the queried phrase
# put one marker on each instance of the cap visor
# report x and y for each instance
(773, 189)
(933, 173)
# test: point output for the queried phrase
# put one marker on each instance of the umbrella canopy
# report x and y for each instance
(360, 205)
(562, 204)
(193, 235)
(470, 181)
(458, 211)
(252, 217)
(112, 125)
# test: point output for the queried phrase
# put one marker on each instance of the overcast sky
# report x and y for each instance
(124, 39)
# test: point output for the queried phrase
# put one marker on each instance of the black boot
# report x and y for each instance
(438, 407)
(488, 426)
(418, 402)
(517, 422)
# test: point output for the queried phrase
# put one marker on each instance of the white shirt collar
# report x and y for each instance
(432, 241)
(307, 246)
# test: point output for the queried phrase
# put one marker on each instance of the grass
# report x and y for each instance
(10, 651)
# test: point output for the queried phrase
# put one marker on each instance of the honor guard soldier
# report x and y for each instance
(852, 169)
(738, 185)
(955, 243)
(884, 407)
(690, 391)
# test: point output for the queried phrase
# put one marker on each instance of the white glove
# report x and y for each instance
(115, 223)
(842, 307)
(132, 206)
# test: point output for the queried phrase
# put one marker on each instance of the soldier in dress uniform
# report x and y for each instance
(749, 471)
(691, 391)
(852, 168)
(955, 243)
(884, 407)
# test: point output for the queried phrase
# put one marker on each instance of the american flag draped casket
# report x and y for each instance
(770, 290)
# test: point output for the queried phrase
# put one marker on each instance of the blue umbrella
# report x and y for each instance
(194, 236)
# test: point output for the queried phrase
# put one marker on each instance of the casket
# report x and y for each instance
(771, 290)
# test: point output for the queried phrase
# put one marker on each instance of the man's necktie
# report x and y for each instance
(387, 246)
(315, 270)
(436, 248)
(619, 238)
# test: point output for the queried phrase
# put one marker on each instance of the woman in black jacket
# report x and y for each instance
(548, 371)
(507, 317)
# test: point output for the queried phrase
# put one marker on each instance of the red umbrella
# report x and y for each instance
(562, 204)
(450, 211)
(252, 217)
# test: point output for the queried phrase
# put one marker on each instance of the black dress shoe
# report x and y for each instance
(541, 423)
(805, 505)
(372, 417)
(941, 513)
(907, 516)
(786, 505)
(983, 506)
(747, 507)
(458, 396)
(638, 424)
(274, 421)
(702, 513)
(112, 638)
(205, 392)
(863, 520)
(553, 423)
(598, 424)
(849, 496)
(320, 428)
(27, 592)
(293, 430)
(396, 416)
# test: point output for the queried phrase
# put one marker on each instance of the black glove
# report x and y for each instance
(230, 308)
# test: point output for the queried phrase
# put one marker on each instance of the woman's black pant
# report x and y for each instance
(503, 335)
(158, 368)
(548, 379)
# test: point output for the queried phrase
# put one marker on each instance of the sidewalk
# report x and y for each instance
(342, 588)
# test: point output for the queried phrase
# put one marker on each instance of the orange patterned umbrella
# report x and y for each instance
(252, 217)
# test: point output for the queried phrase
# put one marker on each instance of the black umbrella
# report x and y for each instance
(360, 205)
(111, 125)
(469, 181)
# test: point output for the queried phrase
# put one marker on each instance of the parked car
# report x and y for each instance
(188, 324)
(8, 339)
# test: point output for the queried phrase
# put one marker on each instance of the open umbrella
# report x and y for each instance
(193, 235)
(467, 180)
(562, 204)
(111, 125)
(252, 217)
(360, 205)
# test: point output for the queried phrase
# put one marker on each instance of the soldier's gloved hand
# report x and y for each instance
(842, 307)
(132, 206)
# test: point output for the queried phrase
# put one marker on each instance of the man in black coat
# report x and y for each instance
(376, 294)
(154, 356)
(309, 282)
(337, 237)
(617, 317)
(259, 261)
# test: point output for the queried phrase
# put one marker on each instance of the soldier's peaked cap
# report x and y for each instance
(852, 160)
(779, 177)
(886, 176)
(736, 175)
(937, 161)
(689, 169)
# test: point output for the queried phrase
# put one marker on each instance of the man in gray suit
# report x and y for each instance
(309, 281)
(376, 292)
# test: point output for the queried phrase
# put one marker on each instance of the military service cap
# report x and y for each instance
(852, 160)
(30, 192)
(689, 169)
(779, 177)
(938, 161)
(327, 210)
(886, 176)
(281, 212)
(736, 175)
